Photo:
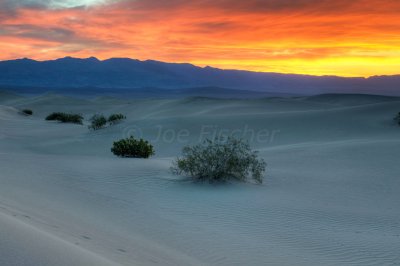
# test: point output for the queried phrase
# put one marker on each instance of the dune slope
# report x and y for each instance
(330, 195)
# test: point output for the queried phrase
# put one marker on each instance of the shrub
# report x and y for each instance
(27, 112)
(65, 118)
(220, 159)
(132, 148)
(397, 118)
(97, 122)
(115, 118)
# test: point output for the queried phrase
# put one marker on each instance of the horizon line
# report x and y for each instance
(199, 66)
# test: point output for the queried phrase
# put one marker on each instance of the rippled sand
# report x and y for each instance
(331, 193)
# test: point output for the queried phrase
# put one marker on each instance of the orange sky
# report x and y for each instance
(341, 37)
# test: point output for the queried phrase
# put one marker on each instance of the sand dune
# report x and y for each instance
(23, 244)
(330, 198)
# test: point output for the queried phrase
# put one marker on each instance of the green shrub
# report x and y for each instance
(220, 159)
(54, 116)
(397, 118)
(27, 112)
(65, 118)
(132, 148)
(97, 122)
(115, 118)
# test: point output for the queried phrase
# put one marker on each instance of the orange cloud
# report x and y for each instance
(360, 38)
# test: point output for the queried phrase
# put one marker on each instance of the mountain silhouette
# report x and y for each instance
(130, 73)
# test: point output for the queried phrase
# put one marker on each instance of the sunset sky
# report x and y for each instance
(336, 37)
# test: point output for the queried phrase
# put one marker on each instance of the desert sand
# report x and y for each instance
(331, 193)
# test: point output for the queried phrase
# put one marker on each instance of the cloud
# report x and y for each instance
(61, 39)
(267, 6)
(36, 32)
(254, 6)
(306, 36)
(52, 4)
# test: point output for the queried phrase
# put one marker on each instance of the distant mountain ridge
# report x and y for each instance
(130, 73)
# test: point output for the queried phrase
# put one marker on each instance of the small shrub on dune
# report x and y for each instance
(97, 122)
(27, 112)
(54, 116)
(221, 159)
(397, 118)
(132, 148)
(115, 118)
(65, 118)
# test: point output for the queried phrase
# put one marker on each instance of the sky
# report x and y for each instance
(317, 37)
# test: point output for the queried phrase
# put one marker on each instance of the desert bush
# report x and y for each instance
(65, 118)
(98, 121)
(115, 118)
(220, 159)
(397, 118)
(133, 148)
(27, 112)
(54, 116)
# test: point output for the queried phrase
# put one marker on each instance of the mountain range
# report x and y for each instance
(125, 73)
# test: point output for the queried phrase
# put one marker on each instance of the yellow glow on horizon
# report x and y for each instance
(344, 67)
